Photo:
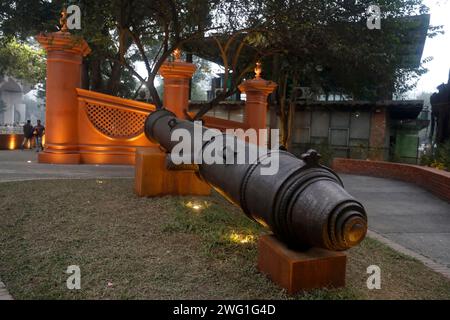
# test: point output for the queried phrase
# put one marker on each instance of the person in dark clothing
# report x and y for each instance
(38, 132)
(27, 135)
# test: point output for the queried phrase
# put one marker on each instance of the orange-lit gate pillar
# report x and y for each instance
(176, 76)
(152, 176)
(256, 90)
(64, 57)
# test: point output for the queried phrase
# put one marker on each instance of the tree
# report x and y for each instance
(199, 77)
(22, 61)
(104, 26)
(327, 46)
(121, 32)
(322, 44)
(166, 26)
(440, 115)
(238, 52)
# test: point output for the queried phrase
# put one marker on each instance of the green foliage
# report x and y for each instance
(353, 60)
(327, 46)
(201, 76)
(438, 158)
(24, 18)
(443, 155)
(427, 158)
(119, 32)
(22, 61)
(307, 34)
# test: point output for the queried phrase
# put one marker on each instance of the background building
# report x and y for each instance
(12, 105)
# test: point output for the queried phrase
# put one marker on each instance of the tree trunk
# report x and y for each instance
(96, 81)
(283, 112)
(156, 100)
(287, 111)
(189, 59)
(113, 85)
(85, 80)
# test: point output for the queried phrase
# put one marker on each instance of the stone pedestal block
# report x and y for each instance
(152, 178)
(298, 271)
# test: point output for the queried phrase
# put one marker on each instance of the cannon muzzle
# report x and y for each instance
(303, 202)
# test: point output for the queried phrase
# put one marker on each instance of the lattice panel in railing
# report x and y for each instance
(114, 122)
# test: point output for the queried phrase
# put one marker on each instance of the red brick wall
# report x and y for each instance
(378, 133)
(433, 180)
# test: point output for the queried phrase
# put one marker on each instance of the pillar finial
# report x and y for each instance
(177, 54)
(258, 70)
(63, 21)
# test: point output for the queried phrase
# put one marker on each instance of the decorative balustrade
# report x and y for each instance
(114, 117)
(110, 128)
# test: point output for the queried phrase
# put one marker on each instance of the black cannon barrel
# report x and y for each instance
(303, 203)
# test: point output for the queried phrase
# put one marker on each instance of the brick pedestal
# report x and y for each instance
(298, 271)
(153, 179)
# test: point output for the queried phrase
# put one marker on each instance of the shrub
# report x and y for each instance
(427, 158)
(443, 155)
(439, 159)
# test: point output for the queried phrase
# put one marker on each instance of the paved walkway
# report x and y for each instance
(405, 214)
(402, 215)
(22, 165)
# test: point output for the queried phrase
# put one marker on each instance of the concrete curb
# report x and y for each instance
(437, 267)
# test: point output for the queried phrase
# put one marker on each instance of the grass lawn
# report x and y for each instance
(161, 248)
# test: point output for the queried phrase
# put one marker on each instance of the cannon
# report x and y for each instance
(303, 203)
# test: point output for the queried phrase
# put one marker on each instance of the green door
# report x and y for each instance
(406, 146)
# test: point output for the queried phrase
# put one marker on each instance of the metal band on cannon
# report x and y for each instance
(304, 203)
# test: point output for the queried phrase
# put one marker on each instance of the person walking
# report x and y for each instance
(38, 132)
(27, 135)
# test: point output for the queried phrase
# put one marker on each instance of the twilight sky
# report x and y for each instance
(438, 48)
